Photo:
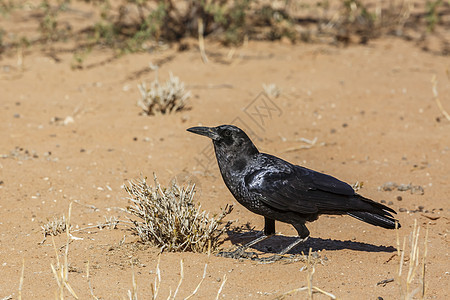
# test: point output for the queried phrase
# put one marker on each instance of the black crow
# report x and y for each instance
(279, 190)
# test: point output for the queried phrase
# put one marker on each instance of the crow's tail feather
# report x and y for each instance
(374, 219)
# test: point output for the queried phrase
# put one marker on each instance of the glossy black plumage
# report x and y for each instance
(279, 190)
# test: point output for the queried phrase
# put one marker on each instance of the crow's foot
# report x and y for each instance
(270, 259)
(238, 254)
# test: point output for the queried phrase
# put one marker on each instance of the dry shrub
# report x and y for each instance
(163, 98)
(169, 218)
(54, 227)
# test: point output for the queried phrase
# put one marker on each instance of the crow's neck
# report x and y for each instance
(233, 162)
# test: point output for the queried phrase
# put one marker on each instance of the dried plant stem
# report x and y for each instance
(310, 265)
(199, 284)
(19, 296)
(61, 271)
(407, 292)
(425, 253)
(132, 295)
(181, 279)
(89, 281)
(156, 285)
(201, 40)
(323, 292)
(436, 98)
(398, 238)
(204, 273)
(413, 258)
(309, 276)
(224, 279)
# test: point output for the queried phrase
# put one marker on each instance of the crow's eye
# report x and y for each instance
(227, 133)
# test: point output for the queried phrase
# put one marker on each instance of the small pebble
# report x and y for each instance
(399, 198)
(390, 203)
(383, 201)
(401, 209)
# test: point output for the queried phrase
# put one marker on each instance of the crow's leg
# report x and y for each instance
(269, 230)
(240, 251)
(303, 233)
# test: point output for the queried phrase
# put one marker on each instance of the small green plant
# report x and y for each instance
(49, 23)
(2, 33)
(432, 16)
(169, 218)
(6, 6)
(163, 98)
(79, 57)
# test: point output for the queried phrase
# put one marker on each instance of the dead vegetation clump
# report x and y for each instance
(163, 98)
(55, 227)
(169, 218)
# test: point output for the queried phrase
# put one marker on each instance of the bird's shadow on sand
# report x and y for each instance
(277, 243)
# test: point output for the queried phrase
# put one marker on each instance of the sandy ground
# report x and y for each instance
(369, 109)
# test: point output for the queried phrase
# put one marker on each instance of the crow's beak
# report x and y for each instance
(210, 132)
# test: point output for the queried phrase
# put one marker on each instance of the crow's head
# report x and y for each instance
(227, 138)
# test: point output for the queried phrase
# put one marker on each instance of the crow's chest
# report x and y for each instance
(250, 200)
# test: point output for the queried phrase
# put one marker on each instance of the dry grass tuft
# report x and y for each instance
(310, 267)
(60, 225)
(169, 218)
(132, 294)
(163, 98)
(61, 269)
(414, 282)
(54, 227)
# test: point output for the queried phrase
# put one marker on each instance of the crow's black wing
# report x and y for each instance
(293, 188)
(324, 182)
(280, 190)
